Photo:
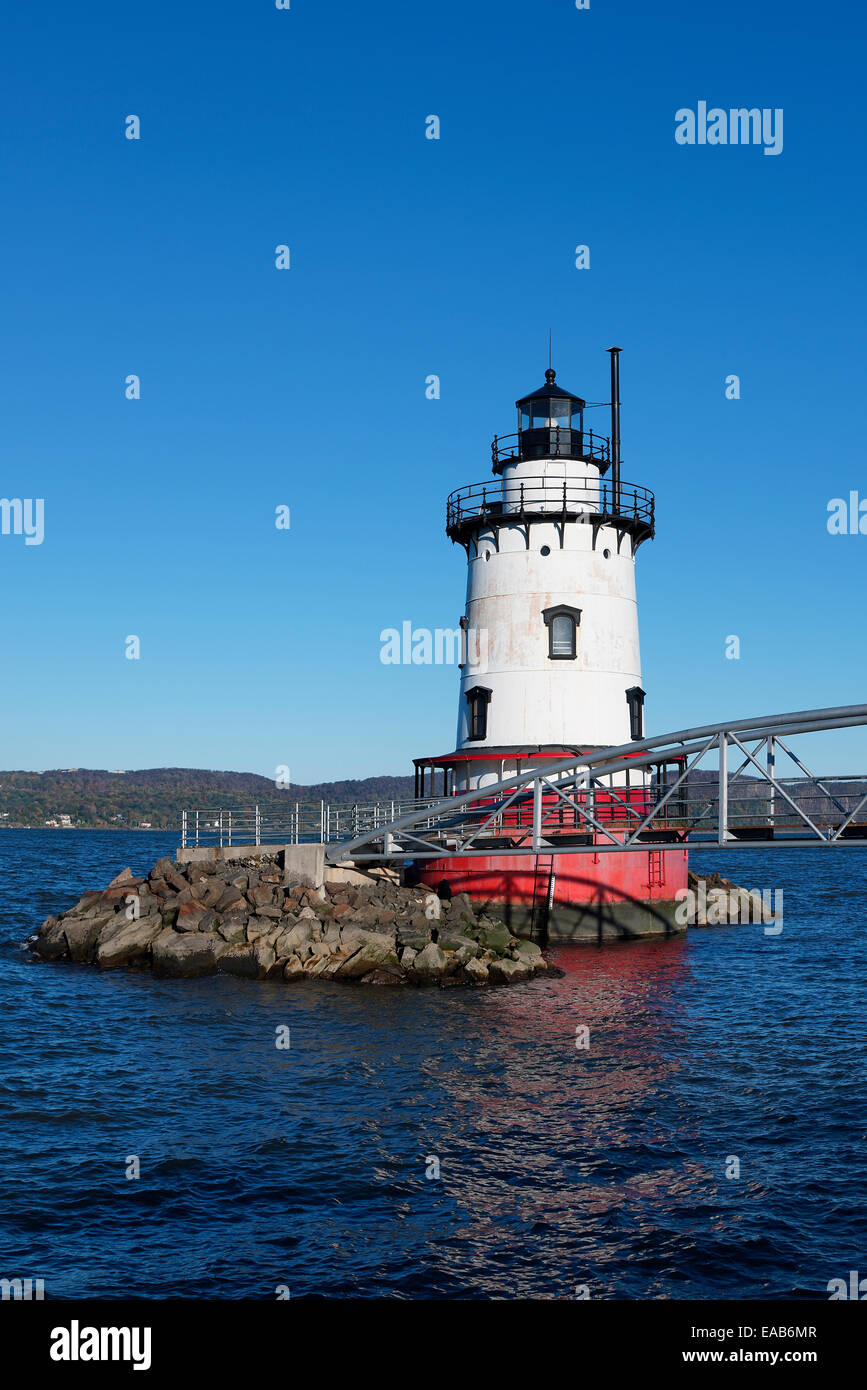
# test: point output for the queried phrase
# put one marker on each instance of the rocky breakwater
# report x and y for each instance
(240, 918)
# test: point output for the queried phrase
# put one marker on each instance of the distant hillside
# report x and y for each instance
(92, 798)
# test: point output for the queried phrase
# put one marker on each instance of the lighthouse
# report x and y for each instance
(550, 656)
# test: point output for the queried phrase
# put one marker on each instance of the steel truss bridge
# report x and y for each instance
(717, 786)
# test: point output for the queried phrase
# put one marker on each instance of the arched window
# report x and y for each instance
(635, 701)
(562, 624)
(478, 700)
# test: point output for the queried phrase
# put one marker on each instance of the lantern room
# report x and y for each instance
(551, 425)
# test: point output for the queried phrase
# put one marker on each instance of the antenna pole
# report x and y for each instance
(615, 428)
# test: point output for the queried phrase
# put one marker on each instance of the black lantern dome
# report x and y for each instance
(551, 425)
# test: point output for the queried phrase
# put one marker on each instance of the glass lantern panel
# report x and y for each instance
(552, 412)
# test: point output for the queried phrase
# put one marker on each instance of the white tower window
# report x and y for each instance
(635, 700)
(562, 624)
(478, 700)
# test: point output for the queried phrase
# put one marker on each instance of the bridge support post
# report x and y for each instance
(723, 788)
(537, 812)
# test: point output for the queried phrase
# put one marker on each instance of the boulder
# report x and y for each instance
(211, 894)
(52, 939)
(240, 960)
(293, 969)
(126, 876)
(475, 972)
(197, 873)
(372, 953)
(253, 960)
(415, 933)
(525, 957)
(508, 972)
(228, 899)
(190, 915)
(451, 939)
(188, 953)
(128, 942)
(232, 930)
(494, 936)
(296, 936)
(262, 927)
(87, 900)
(82, 935)
(384, 977)
(430, 964)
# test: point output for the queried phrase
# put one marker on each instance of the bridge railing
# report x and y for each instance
(617, 799)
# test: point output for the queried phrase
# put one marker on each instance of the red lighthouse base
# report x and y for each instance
(572, 897)
(596, 895)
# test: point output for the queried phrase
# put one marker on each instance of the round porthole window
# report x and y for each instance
(546, 550)
(606, 554)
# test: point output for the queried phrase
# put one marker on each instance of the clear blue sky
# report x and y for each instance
(410, 257)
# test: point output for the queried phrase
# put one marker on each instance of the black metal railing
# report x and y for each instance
(541, 498)
(550, 442)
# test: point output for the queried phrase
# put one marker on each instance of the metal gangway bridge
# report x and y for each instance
(718, 786)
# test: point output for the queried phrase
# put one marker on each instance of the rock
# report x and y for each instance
(162, 868)
(259, 927)
(186, 954)
(415, 933)
(190, 915)
(529, 948)
(212, 894)
(261, 895)
(52, 939)
(430, 963)
(266, 957)
(129, 942)
(253, 960)
(507, 972)
(87, 900)
(372, 953)
(450, 939)
(240, 960)
(296, 936)
(461, 906)
(232, 930)
(125, 876)
(197, 873)
(82, 936)
(495, 937)
(475, 971)
(293, 969)
(383, 977)
(306, 914)
(228, 899)
(407, 956)
(268, 911)
(525, 957)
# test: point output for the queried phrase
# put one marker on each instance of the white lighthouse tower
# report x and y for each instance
(551, 651)
(551, 667)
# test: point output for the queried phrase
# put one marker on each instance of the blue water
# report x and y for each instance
(306, 1168)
